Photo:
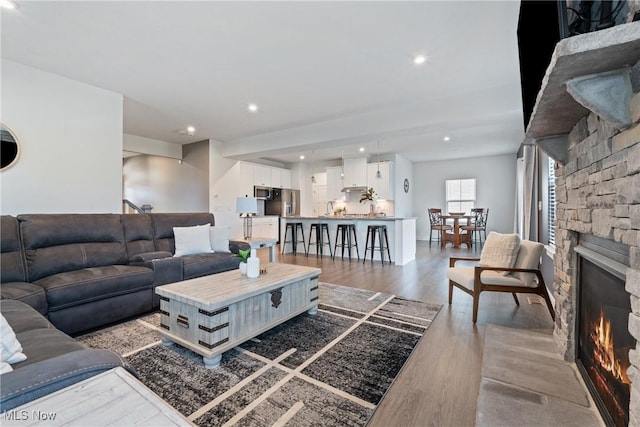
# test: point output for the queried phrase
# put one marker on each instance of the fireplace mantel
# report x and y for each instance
(589, 72)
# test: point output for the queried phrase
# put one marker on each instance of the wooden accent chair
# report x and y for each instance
(437, 224)
(523, 277)
(478, 225)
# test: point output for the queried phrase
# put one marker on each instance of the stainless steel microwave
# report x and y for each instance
(262, 193)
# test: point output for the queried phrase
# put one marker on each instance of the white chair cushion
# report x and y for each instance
(465, 277)
(220, 238)
(500, 250)
(11, 347)
(528, 257)
(192, 240)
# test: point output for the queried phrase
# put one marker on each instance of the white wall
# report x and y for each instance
(155, 147)
(71, 144)
(403, 203)
(168, 184)
(495, 188)
(223, 183)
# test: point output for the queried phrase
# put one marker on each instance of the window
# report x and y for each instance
(551, 201)
(461, 195)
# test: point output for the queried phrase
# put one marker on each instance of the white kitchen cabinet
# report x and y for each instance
(286, 178)
(382, 186)
(280, 178)
(262, 175)
(245, 180)
(266, 226)
(334, 183)
(355, 172)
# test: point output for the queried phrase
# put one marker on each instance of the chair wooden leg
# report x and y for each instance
(476, 300)
(515, 298)
(545, 295)
(450, 291)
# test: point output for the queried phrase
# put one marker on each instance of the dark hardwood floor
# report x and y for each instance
(439, 384)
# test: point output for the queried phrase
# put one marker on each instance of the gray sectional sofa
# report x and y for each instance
(84, 271)
(67, 273)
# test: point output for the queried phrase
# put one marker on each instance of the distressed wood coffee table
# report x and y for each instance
(213, 314)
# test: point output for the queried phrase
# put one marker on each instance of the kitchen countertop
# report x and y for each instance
(361, 217)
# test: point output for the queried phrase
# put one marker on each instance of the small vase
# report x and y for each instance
(372, 210)
(243, 267)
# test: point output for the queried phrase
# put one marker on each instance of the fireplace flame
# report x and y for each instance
(603, 350)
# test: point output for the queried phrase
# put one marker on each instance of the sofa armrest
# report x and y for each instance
(47, 376)
(236, 245)
(149, 256)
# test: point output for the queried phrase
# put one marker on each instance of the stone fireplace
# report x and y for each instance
(587, 117)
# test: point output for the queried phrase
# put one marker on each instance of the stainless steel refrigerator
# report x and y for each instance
(283, 202)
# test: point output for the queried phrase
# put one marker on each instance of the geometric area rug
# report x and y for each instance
(330, 369)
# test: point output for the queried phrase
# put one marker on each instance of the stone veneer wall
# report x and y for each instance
(598, 192)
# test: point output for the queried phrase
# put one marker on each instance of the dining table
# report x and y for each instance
(456, 237)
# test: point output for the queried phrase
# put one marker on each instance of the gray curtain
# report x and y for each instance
(526, 218)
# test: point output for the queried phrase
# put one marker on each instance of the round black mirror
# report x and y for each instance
(10, 149)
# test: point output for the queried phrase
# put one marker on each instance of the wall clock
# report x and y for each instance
(10, 147)
(406, 185)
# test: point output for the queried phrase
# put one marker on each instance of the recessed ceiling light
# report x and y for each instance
(361, 149)
(419, 59)
(253, 108)
(6, 4)
(302, 157)
(191, 130)
(446, 139)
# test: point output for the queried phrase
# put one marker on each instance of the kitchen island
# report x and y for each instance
(401, 231)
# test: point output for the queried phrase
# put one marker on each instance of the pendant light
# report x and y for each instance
(378, 174)
(313, 177)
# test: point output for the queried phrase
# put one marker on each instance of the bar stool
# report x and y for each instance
(346, 231)
(294, 227)
(320, 228)
(371, 231)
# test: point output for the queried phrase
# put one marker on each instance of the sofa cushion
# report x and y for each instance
(43, 344)
(57, 243)
(465, 276)
(11, 349)
(22, 317)
(500, 250)
(204, 264)
(12, 265)
(528, 257)
(219, 237)
(163, 224)
(192, 240)
(138, 234)
(29, 293)
(90, 284)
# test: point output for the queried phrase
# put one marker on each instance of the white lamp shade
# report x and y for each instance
(246, 205)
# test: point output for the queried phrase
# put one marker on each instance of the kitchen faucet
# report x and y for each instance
(327, 208)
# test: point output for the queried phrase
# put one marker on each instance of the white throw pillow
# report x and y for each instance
(5, 367)
(192, 240)
(11, 348)
(500, 250)
(220, 238)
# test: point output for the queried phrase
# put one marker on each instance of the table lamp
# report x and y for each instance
(247, 206)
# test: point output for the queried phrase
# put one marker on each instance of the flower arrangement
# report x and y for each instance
(369, 196)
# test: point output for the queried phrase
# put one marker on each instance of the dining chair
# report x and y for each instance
(478, 225)
(437, 224)
(506, 264)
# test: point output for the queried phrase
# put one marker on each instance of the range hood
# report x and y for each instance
(360, 189)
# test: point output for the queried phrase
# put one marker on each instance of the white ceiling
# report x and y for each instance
(327, 76)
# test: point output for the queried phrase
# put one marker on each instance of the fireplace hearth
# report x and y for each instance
(603, 338)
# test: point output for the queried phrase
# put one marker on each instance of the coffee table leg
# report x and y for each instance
(212, 362)
(166, 341)
(313, 310)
